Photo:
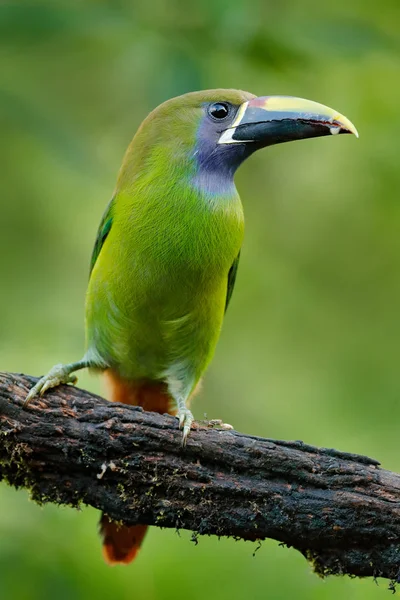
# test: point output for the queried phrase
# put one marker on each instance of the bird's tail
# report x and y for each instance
(120, 542)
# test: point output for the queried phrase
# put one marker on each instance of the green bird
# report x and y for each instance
(166, 255)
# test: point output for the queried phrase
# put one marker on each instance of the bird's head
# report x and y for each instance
(210, 133)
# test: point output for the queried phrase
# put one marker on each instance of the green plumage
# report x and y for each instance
(231, 280)
(165, 259)
(102, 233)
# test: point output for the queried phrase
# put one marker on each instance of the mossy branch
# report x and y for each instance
(341, 511)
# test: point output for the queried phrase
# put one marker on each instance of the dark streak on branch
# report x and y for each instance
(340, 510)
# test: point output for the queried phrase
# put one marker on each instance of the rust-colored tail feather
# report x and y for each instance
(121, 543)
(151, 395)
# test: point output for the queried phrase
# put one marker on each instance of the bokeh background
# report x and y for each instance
(310, 346)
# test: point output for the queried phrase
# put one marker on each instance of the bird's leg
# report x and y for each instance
(180, 388)
(56, 376)
(185, 419)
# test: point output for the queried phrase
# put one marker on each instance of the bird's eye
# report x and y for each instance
(218, 110)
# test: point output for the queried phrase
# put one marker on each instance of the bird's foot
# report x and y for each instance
(185, 422)
(219, 424)
(56, 376)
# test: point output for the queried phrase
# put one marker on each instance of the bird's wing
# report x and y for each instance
(102, 233)
(231, 280)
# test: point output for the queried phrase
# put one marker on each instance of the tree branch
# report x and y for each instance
(339, 510)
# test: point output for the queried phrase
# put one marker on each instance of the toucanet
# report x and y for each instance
(165, 259)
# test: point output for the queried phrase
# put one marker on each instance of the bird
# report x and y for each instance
(166, 256)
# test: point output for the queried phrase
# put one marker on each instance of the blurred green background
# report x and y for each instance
(310, 346)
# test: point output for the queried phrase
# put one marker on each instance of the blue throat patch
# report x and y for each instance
(215, 163)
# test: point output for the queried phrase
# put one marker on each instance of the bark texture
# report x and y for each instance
(341, 511)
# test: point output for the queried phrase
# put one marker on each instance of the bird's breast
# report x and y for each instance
(194, 235)
(158, 289)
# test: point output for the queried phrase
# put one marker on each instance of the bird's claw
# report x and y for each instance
(219, 424)
(185, 421)
(56, 376)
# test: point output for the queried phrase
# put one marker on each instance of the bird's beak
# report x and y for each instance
(272, 120)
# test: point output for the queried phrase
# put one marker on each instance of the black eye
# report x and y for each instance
(218, 110)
